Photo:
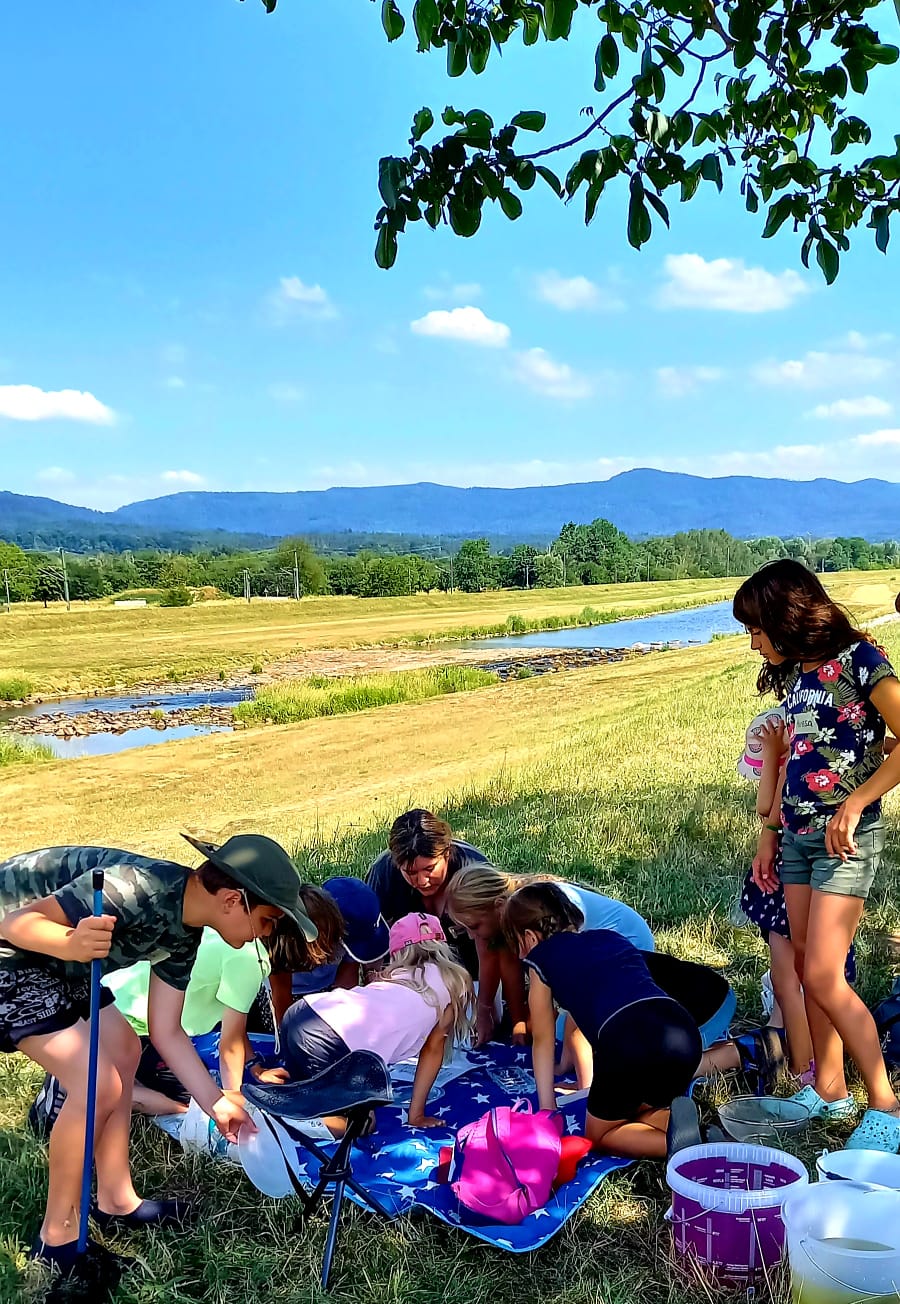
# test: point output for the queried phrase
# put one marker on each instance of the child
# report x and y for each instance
(645, 1046)
(352, 934)
(420, 999)
(839, 692)
(153, 910)
(475, 899)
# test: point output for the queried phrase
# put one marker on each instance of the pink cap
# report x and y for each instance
(415, 928)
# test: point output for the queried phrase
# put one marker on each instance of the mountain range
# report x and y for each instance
(639, 502)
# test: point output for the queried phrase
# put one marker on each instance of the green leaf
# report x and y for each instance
(883, 53)
(778, 215)
(390, 176)
(855, 63)
(422, 123)
(558, 15)
(386, 247)
(711, 169)
(639, 225)
(599, 79)
(609, 55)
(452, 117)
(457, 54)
(530, 120)
(657, 203)
(464, 219)
(392, 20)
(751, 199)
(829, 260)
(531, 27)
(479, 49)
(553, 180)
(881, 222)
(525, 174)
(511, 204)
(425, 18)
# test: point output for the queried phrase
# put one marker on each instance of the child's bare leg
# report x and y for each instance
(719, 1059)
(641, 1138)
(146, 1101)
(789, 995)
(115, 1189)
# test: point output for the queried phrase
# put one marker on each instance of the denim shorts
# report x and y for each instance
(805, 861)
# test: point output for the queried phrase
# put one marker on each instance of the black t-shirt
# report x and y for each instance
(398, 898)
(695, 986)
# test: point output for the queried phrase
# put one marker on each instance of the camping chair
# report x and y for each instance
(354, 1086)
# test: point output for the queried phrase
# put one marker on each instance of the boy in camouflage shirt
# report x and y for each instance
(153, 910)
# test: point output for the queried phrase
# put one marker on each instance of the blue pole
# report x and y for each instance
(93, 1054)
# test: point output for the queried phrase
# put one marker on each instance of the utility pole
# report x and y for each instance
(62, 558)
(296, 577)
(6, 582)
(247, 584)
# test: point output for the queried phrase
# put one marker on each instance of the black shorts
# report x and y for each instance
(308, 1043)
(36, 1001)
(647, 1054)
(154, 1073)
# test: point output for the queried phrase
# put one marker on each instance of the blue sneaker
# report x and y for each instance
(830, 1111)
(45, 1107)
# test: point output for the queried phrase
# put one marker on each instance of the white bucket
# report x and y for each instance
(843, 1244)
(873, 1167)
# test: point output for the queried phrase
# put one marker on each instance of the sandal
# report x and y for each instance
(828, 1110)
(684, 1126)
(878, 1130)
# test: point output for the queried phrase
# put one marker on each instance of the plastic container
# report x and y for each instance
(762, 1120)
(726, 1207)
(844, 1244)
(873, 1167)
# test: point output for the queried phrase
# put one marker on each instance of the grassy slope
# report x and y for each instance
(623, 777)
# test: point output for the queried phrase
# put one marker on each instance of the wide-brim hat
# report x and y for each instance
(263, 867)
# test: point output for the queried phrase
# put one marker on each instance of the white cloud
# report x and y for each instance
(541, 373)
(817, 370)
(174, 382)
(183, 477)
(857, 340)
(726, 285)
(847, 409)
(28, 403)
(285, 392)
(463, 292)
(469, 324)
(173, 355)
(880, 439)
(574, 293)
(675, 382)
(293, 298)
(55, 475)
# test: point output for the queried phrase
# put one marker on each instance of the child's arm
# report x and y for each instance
(44, 927)
(235, 1051)
(774, 744)
(282, 994)
(431, 1057)
(164, 1006)
(488, 986)
(889, 745)
(839, 840)
(764, 875)
(543, 1039)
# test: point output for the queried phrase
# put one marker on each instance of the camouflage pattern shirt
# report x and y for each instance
(145, 895)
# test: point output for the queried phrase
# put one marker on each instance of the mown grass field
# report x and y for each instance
(96, 646)
(623, 777)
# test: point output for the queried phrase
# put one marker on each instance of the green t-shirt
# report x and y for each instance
(145, 895)
(222, 979)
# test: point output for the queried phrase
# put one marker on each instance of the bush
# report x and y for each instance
(524, 672)
(256, 668)
(179, 597)
(20, 751)
(14, 688)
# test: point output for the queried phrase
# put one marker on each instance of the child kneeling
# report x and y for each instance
(420, 1000)
(646, 1047)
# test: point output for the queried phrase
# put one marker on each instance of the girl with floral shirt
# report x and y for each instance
(839, 692)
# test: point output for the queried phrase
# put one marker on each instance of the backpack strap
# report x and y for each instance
(495, 1144)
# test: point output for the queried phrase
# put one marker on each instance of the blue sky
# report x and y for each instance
(190, 298)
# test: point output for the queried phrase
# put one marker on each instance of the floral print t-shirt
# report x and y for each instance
(836, 735)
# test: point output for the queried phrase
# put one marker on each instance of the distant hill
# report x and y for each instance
(640, 502)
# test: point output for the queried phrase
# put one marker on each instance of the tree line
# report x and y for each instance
(596, 553)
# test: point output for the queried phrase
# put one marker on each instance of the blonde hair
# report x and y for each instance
(408, 967)
(480, 889)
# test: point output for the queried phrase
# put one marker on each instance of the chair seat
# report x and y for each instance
(360, 1079)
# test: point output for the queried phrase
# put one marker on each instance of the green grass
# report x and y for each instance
(14, 687)
(647, 806)
(516, 624)
(21, 751)
(303, 699)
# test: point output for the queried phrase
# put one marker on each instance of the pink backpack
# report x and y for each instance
(506, 1162)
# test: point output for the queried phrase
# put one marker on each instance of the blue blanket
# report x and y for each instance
(397, 1163)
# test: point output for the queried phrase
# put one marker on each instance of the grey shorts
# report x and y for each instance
(308, 1043)
(805, 861)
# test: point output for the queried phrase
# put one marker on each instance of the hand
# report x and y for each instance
(764, 875)
(229, 1115)
(839, 840)
(90, 939)
(485, 1022)
(773, 737)
(520, 1034)
(269, 1076)
(422, 1120)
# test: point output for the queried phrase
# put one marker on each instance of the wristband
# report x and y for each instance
(776, 828)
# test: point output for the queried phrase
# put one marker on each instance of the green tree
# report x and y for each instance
(473, 566)
(682, 96)
(549, 571)
(48, 585)
(310, 566)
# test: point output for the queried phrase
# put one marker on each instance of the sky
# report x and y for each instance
(189, 299)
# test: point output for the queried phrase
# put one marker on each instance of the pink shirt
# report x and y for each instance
(389, 1018)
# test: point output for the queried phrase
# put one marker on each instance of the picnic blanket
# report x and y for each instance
(397, 1163)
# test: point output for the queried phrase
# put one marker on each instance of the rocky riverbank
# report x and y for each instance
(67, 725)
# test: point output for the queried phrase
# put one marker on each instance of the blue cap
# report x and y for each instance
(366, 935)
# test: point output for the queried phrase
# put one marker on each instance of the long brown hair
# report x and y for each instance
(789, 604)
(541, 907)
(289, 952)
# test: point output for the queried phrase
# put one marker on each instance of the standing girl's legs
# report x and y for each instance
(833, 920)
(789, 995)
(828, 1049)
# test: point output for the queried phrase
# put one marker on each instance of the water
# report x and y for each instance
(158, 701)
(106, 744)
(695, 625)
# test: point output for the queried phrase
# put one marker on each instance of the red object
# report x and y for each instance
(573, 1150)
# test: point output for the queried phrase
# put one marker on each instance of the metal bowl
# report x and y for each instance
(764, 1119)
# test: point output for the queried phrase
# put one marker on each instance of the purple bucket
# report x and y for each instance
(726, 1207)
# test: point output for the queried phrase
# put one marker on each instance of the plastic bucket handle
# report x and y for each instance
(845, 1285)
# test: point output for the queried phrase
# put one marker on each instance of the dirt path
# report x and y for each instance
(286, 779)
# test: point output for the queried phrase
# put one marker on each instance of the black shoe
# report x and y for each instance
(762, 1053)
(149, 1213)
(684, 1126)
(45, 1107)
(88, 1278)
